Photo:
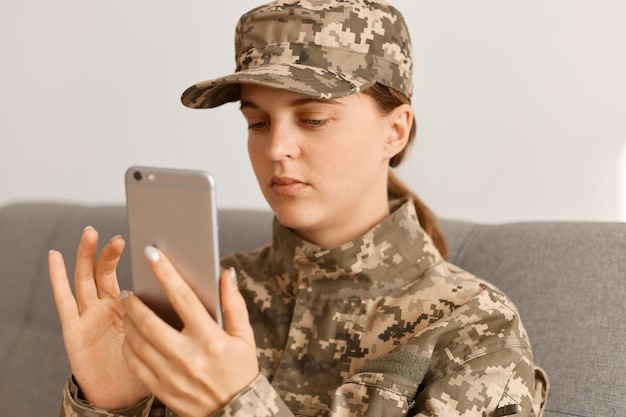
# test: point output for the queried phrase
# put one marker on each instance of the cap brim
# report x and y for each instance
(299, 79)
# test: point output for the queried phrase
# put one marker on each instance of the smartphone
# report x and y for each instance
(175, 211)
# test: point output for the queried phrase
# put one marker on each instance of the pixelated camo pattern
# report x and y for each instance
(381, 326)
(318, 48)
(72, 406)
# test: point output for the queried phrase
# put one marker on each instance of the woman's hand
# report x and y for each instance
(200, 369)
(92, 322)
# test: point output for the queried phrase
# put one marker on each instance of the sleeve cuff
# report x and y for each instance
(259, 399)
(74, 405)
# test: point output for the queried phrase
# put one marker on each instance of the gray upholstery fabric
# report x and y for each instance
(567, 280)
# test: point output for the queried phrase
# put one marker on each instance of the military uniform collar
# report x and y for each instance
(388, 256)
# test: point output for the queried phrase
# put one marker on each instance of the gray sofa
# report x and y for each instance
(567, 279)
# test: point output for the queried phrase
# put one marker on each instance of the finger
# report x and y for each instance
(150, 330)
(106, 267)
(63, 297)
(186, 303)
(236, 317)
(85, 260)
(134, 360)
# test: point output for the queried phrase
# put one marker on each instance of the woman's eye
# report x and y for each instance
(315, 122)
(257, 125)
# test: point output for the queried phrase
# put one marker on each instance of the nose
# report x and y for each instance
(282, 143)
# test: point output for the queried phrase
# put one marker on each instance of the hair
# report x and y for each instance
(388, 99)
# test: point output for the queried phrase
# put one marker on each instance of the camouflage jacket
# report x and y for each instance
(381, 326)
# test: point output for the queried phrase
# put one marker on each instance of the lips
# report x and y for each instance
(286, 186)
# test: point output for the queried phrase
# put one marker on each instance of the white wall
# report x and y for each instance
(520, 104)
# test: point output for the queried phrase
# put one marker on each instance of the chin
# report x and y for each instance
(291, 219)
(294, 214)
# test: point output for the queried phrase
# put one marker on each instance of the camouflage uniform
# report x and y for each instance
(381, 326)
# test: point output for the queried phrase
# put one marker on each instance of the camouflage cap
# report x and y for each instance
(317, 48)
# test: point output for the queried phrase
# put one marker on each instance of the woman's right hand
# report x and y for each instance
(92, 323)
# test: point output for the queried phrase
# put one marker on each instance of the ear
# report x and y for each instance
(399, 122)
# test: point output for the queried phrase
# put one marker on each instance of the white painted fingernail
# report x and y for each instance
(114, 237)
(233, 277)
(124, 295)
(152, 253)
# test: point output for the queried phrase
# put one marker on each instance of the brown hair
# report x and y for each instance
(388, 99)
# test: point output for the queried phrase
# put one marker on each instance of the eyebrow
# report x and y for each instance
(295, 103)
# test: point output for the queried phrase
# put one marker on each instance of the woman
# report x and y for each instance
(352, 309)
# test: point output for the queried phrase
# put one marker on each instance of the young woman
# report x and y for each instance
(351, 310)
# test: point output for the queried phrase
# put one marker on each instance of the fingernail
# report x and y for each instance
(233, 277)
(152, 253)
(124, 295)
(114, 237)
(88, 228)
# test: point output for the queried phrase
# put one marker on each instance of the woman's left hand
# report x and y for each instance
(200, 369)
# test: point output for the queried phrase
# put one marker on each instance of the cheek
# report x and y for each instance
(347, 141)
(256, 153)
(328, 159)
(360, 147)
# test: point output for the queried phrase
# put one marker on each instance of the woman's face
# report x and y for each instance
(322, 164)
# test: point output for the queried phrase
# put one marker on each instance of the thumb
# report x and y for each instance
(235, 311)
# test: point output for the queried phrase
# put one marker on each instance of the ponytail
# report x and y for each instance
(388, 99)
(427, 219)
